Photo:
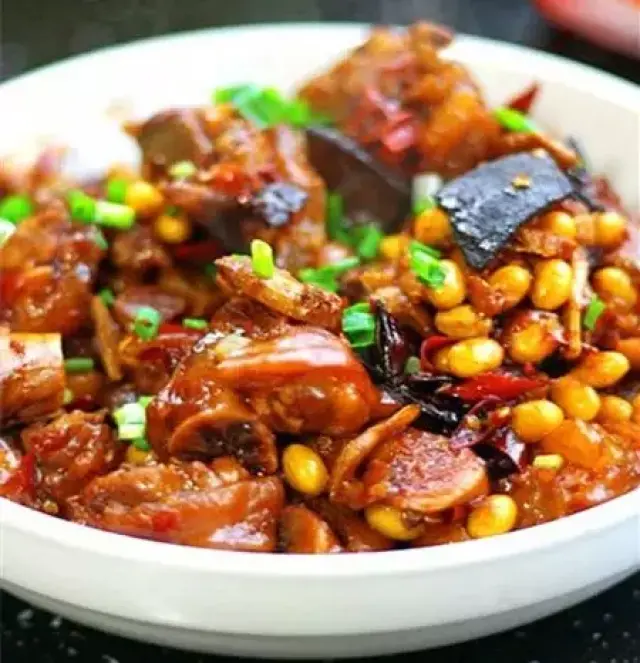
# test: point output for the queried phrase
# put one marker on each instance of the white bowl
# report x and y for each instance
(297, 606)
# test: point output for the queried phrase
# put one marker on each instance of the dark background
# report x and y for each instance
(36, 32)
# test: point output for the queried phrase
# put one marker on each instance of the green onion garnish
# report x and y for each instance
(183, 170)
(325, 277)
(423, 204)
(145, 400)
(195, 323)
(359, 325)
(513, 120)
(114, 215)
(594, 310)
(426, 265)
(141, 443)
(210, 270)
(335, 216)
(81, 206)
(78, 365)
(367, 241)
(416, 246)
(16, 208)
(101, 240)
(147, 323)
(117, 190)
(131, 420)
(107, 296)
(412, 365)
(67, 396)
(266, 107)
(262, 259)
(7, 228)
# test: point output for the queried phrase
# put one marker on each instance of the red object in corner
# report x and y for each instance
(613, 24)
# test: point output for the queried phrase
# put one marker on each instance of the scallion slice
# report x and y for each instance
(101, 240)
(262, 259)
(325, 277)
(7, 228)
(412, 365)
(16, 208)
(78, 365)
(367, 241)
(107, 296)
(426, 265)
(423, 204)
(117, 190)
(593, 312)
(195, 323)
(359, 325)
(131, 420)
(141, 443)
(114, 215)
(147, 323)
(513, 120)
(183, 170)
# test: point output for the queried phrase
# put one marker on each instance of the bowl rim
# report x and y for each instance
(27, 522)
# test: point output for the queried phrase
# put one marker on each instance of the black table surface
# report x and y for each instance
(603, 630)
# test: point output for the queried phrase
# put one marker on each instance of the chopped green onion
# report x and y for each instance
(183, 170)
(367, 241)
(78, 365)
(81, 206)
(7, 228)
(325, 277)
(147, 323)
(262, 259)
(267, 107)
(423, 204)
(107, 296)
(335, 216)
(145, 400)
(131, 420)
(412, 365)
(210, 270)
(513, 120)
(101, 240)
(359, 325)
(117, 190)
(195, 323)
(595, 309)
(426, 266)
(114, 215)
(16, 208)
(416, 246)
(67, 397)
(141, 443)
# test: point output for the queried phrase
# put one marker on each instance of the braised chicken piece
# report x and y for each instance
(184, 503)
(376, 316)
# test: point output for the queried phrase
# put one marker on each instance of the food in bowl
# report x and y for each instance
(379, 315)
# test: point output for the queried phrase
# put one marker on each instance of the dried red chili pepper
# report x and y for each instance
(501, 385)
(524, 101)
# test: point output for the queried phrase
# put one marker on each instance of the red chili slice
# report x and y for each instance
(525, 100)
(199, 251)
(431, 345)
(500, 385)
(173, 328)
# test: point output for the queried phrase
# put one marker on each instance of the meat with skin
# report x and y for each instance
(303, 532)
(184, 503)
(32, 379)
(418, 471)
(69, 452)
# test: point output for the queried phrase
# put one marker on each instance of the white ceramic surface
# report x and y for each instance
(278, 606)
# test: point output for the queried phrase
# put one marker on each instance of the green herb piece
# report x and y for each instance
(131, 420)
(114, 215)
(593, 312)
(513, 120)
(147, 323)
(117, 190)
(210, 270)
(423, 204)
(7, 228)
(141, 443)
(107, 296)
(183, 170)
(325, 277)
(359, 325)
(101, 240)
(262, 259)
(425, 265)
(334, 219)
(145, 400)
(195, 323)
(367, 240)
(78, 365)
(412, 365)
(416, 246)
(82, 207)
(16, 208)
